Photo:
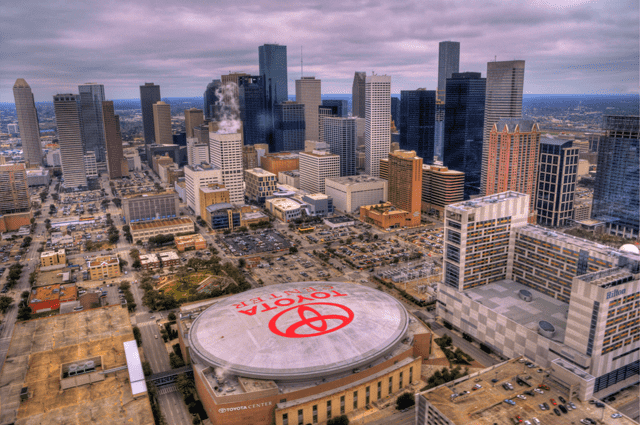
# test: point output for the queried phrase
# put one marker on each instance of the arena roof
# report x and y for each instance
(298, 331)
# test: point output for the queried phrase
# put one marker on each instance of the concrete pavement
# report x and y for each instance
(173, 407)
(154, 349)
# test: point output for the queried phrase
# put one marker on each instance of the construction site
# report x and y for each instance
(71, 369)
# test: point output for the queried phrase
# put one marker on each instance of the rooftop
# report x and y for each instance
(154, 224)
(168, 256)
(219, 206)
(281, 155)
(148, 259)
(353, 180)
(260, 172)
(284, 203)
(189, 238)
(105, 260)
(523, 125)
(201, 167)
(486, 406)
(319, 154)
(39, 349)
(148, 195)
(554, 141)
(317, 196)
(503, 298)
(441, 169)
(486, 200)
(53, 292)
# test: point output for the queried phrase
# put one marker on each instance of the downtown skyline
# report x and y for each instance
(571, 47)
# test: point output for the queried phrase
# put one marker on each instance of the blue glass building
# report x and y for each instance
(339, 108)
(616, 197)
(289, 126)
(463, 127)
(252, 109)
(273, 70)
(395, 111)
(417, 122)
(210, 99)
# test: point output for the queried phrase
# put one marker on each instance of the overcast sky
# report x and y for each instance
(570, 46)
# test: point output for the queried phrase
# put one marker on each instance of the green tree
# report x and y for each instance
(146, 368)
(339, 420)
(405, 401)
(137, 335)
(175, 361)
(293, 250)
(172, 317)
(24, 312)
(5, 303)
(242, 263)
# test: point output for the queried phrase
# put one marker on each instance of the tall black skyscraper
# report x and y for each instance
(91, 98)
(358, 95)
(289, 126)
(616, 197)
(340, 108)
(463, 124)
(417, 122)
(448, 63)
(273, 69)
(395, 111)
(149, 94)
(252, 109)
(210, 99)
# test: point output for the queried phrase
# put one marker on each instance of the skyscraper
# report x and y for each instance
(69, 126)
(192, 118)
(405, 183)
(233, 78)
(115, 155)
(210, 99)
(463, 124)
(616, 198)
(273, 69)
(226, 154)
(395, 111)
(512, 165)
(290, 126)
(14, 189)
(308, 94)
(418, 119)
(558, 168)
(358, 108)
(315, 167)
(252, 110)
(503, 98)
(340, 134)
(28, 121)
(162, 123)
(340, 108)
(91, 98)
(448, 63)
(377, 122)
(149, 94)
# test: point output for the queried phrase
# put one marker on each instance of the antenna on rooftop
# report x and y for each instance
(301, 72)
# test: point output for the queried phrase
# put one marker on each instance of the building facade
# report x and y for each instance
(162, 123)
(463, 126)
(308, 91)
(441, 187)
(210, 98)
(352, 192)
(503, 99)
(226, 154)
(512, 163)
(259, 184)
(289, 126)
(149, 94)
(169, 226)
(90, 165)
(69, 126)
(616, 200)
(149, 207)
(377, 121)
(417, 127)
(405, 184)
(103, 267)
(14, 189)
(315, 166)
(340, 134)
(558, 167)
(193, 117)
(358, 97)
(253, 111)
(28, 120)
(91, 98)
(213, 193)
(448, 63)
(339, 108)
(280, 161)
(113, 142)
(196, 177)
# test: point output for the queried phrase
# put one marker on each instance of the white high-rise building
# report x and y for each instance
(69, 125)
(377, 121)
(28, 120)
(195, 177)
(340, 135)
(90, 164)
(315, 167)
(225, 151)
(197, 153)
(308, 93)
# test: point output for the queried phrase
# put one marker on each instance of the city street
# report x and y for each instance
(154, 350)
(172, 406)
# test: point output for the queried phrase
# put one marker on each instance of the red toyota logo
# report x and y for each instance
(311, 322)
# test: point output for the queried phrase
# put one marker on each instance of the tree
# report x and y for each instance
(137, 335)
(175, 361)
(339, 420)
(5, 303)
(242, 263)
(136, 264)
(146, 368)
(172, 317)
(24, 294)
(24, 312)
(405, 401)
(293, 250)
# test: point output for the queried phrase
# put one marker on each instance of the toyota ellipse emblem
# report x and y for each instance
(308, 321)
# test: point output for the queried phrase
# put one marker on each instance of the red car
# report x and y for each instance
(553, 402)
(518, 418)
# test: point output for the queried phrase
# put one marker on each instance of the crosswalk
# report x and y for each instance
(167, 389)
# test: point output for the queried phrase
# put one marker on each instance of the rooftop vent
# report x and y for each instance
(546, 329)
(525, 295)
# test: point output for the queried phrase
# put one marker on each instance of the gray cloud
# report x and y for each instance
(570, 46)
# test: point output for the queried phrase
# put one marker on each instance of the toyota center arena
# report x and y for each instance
(302, 353)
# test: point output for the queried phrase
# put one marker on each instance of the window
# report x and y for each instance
(410, 375)
(285, 419)
(300, 417)
(342, 405)
(390, 384)
(328, 409)
(400, 380)
(355, 399)
(315, 413)
(367, 397)
(379, 390)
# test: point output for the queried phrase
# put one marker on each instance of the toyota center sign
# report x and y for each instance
(298, 330)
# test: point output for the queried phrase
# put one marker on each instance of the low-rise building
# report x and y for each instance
(212, 193)
(440, 187)
(283, 209)
(195, 241)
(38, 177)
(47, 298)
(103, 267)
(290, 178)
(280, 161)
(384, 216)
(169, 258)
(352, 192)
(149, 261)
(172, 226)
(53, 258)
(318, 204)
(260, 184)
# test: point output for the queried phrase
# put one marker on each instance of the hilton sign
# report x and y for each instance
(616, 292)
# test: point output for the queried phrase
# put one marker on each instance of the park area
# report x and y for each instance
(182, 286)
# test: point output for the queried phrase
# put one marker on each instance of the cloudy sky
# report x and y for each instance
(570, 46)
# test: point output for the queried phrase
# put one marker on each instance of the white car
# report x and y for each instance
(616, 415)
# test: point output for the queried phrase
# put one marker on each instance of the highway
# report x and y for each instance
(631, 409)
(154, 350)
(172, 406)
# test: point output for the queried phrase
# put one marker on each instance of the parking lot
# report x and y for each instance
(430, 240)
(241, 244)
(293, 268)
